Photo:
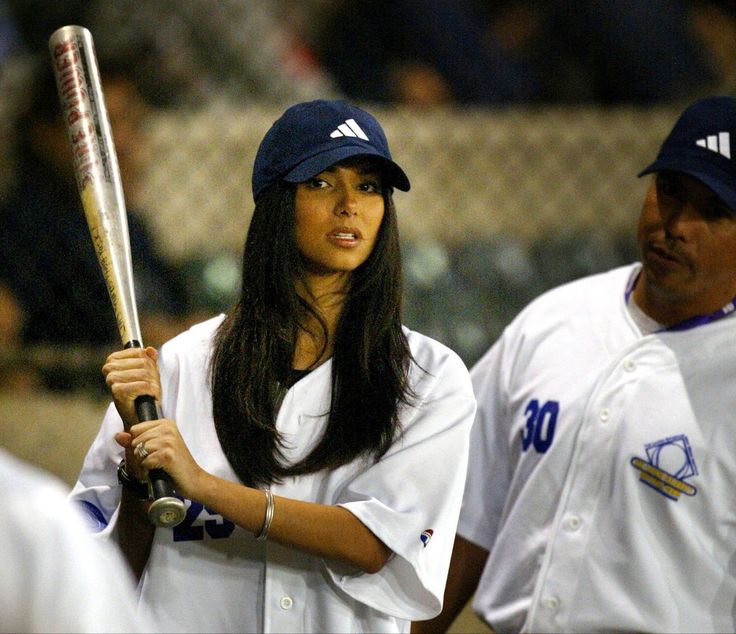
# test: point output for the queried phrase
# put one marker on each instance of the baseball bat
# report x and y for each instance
(96, 168)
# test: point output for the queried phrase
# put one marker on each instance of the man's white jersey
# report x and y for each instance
(208, 575)
(603, 465)
(54, 577)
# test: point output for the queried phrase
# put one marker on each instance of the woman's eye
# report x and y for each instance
(316, 183)
(371, 186)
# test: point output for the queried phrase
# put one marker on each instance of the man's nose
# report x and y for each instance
(677, 216)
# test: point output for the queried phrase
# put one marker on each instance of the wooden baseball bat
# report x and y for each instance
(96, 168)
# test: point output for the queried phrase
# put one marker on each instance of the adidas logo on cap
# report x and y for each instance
(349, 128)
(720, 143)
(692, 146)
(307, 140)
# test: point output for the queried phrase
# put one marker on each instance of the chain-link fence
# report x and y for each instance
(506, 201)
(504, 204)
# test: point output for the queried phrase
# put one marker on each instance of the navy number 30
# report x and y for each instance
(540, 425)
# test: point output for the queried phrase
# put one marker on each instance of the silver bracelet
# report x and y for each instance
(269, 516)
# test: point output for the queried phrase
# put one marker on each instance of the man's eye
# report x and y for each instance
(668, 187)
(717, 212)
(316, 183)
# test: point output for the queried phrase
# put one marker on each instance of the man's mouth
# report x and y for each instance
(662, 252)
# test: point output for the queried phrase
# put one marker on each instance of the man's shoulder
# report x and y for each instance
(576, 307)
(605, 286)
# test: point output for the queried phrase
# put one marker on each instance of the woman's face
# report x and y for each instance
(338, 217)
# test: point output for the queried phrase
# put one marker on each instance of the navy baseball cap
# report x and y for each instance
(702, 144)
(310, 137)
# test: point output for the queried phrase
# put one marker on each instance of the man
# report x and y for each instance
(56, 578)
(603, 457)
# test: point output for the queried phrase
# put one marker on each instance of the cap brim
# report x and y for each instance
(710, 175)
(320, 162)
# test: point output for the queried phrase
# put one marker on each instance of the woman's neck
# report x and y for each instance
(327, 299)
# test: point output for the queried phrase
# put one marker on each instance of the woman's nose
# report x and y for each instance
(347, 203)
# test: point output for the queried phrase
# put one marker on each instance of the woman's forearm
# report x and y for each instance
(135, 532)
(330, 532)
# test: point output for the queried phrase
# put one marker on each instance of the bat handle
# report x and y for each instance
(166, 510)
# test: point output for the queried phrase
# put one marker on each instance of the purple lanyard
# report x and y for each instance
(691, 322)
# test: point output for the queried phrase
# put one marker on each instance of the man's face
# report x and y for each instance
(687, 242)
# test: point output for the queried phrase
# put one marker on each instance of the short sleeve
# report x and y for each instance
(489, 471)
(97, 492)
(410, 499)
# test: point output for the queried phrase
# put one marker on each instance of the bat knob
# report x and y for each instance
(166, 512)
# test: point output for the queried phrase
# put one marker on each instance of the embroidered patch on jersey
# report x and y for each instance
(668, 464)
(426, 536)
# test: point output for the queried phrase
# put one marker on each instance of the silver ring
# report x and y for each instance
(142, 451)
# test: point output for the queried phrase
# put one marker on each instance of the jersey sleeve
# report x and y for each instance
(489, 470)
(97, 492)
(410, 499)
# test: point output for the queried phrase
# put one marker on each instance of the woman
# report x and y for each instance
(320, 446)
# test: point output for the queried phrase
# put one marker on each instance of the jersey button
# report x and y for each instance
(629, 365)
(604, 415)
(551, 604)
(286, 603)
(573, 523)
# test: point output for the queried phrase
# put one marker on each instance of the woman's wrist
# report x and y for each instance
(132, 466)
(131, 483)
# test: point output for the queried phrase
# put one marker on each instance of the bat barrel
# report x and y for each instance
(88, 128)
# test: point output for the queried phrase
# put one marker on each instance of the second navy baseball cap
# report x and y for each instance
(702, 144)
(312, 136)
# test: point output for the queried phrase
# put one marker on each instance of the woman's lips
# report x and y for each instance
(345, 237)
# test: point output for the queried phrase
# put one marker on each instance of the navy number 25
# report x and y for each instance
(540, 425)
(214, 525)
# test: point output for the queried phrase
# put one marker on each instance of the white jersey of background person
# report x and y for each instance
(55, 578)
(603, 468)
(209, 575)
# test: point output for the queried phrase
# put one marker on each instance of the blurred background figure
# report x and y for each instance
(52, 289)
(158, 54)
(197, 50)
(431, 52)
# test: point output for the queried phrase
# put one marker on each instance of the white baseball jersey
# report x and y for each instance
(208, 575)
(602, 469)
(55, 578)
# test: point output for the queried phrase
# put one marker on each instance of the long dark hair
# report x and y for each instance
(254, 349)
